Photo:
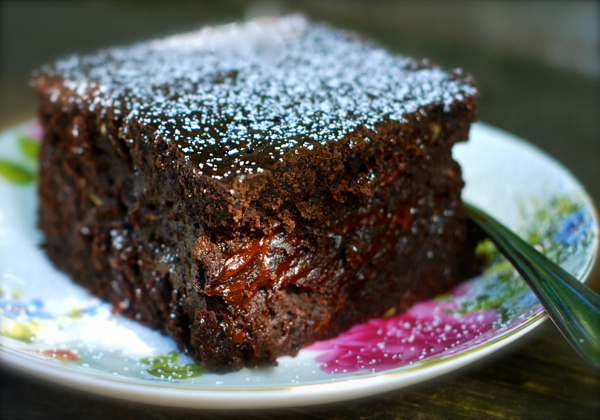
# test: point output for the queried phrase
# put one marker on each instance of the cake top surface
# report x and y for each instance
(236, 98)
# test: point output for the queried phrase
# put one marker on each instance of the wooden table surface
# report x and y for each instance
(536, 377)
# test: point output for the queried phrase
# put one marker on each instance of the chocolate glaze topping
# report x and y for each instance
(236, 98)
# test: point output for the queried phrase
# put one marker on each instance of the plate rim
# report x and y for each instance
(203, 397)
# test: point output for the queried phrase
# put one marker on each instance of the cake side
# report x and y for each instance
(130, 226)
(242, 269)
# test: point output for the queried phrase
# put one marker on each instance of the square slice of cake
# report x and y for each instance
(251, 188)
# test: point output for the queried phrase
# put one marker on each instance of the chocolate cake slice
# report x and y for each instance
(251, 188)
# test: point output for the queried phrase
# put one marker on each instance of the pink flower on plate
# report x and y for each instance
(36, 130)
(429, 329)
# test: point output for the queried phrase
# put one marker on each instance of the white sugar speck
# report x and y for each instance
(236, 98)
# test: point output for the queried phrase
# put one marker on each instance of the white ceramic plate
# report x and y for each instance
(54, 329)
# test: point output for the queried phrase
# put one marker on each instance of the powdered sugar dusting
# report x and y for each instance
(236, 98)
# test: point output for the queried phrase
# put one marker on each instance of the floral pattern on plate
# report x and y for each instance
(437, 328)
(46, 318)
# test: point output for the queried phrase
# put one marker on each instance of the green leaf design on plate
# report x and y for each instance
(30, 147)
(75, 314)
(501, 288)
(168, 367)
(15, 173)
(18, 330)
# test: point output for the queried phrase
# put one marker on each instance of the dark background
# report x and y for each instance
(538, 66)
